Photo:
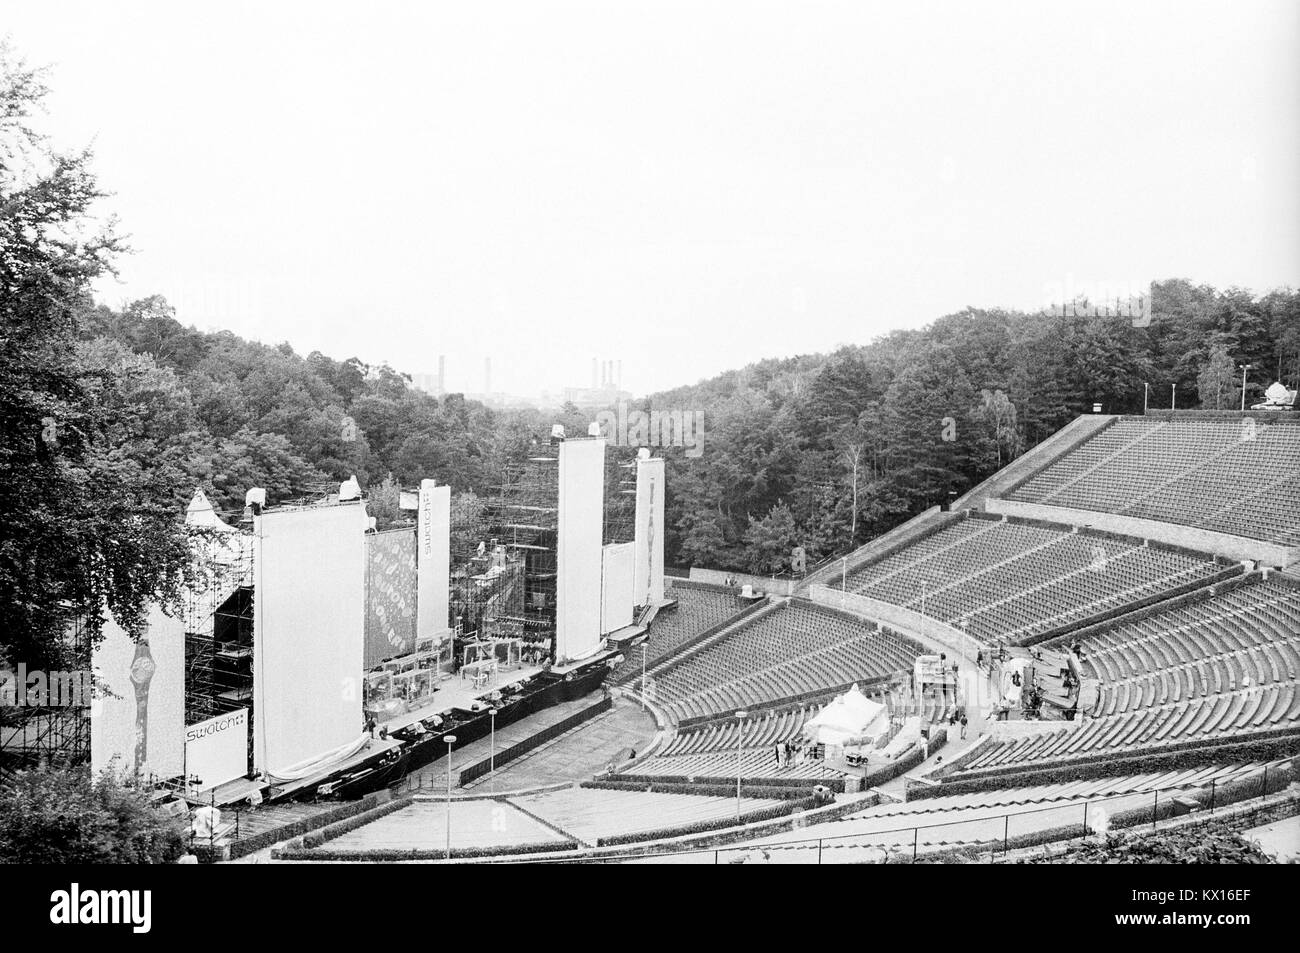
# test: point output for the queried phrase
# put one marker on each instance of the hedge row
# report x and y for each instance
(250, 845)
(699, 827)
(695, 782)
(506, 755)
(915, 757)
(339, 828)
(767, 792)
(424, 853)
(1161, 808)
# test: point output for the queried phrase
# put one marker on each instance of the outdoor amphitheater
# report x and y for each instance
(1104, 635)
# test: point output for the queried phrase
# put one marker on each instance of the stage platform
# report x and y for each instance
(458, 692)
(453, 693)
(604, 655)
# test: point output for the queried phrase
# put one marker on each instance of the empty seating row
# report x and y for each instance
(1006, 581)
(795, 650)
(1240, 477)
(697, 610)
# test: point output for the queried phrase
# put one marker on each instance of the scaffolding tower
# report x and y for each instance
(620, 494)
(525, 515)
(56, 733)
(219, 633)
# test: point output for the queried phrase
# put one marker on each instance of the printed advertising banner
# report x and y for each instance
(216, 750)
(390, 595)
(434, 534)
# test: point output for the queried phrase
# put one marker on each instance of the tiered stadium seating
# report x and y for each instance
(763, 730)
(1221, 668)
(697, 610)
(755, 764)
(795, 650)
(1240, 477)
(1004, 581)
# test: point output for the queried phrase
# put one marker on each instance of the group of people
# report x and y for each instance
(795, 752)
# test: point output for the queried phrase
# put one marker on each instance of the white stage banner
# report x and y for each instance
(308, 633)
(616, 587)
(216, 750)
(433, 560)
(648, 572)
(578, 556)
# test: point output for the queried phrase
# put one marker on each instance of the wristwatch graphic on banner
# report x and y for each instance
(142, 669)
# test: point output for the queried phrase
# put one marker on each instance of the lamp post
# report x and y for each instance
(1244, 369)
(1146, 395)
(740, 730)
(1173, 397)
(492, 750)
(451, 740)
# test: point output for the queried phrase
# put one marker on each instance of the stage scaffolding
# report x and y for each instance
(620, 494)
(503, 557)
(32, 735)
(219, 634)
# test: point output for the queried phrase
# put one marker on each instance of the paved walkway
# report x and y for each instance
(577, 755)
(1280, 839)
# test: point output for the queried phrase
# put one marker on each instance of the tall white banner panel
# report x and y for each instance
(434, 559)
(142, 723)
(648, 573)
(309, 625)
(216, 750)
(616, 587)
(579, 546)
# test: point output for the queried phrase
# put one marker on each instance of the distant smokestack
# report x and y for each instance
(487, 375)
(442, 373)
(594, 374)
(618, 381)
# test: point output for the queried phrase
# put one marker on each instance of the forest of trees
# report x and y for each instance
(109, 418)
(827, 451)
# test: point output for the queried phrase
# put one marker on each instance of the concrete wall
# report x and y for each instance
(929, 632)
(719, 577)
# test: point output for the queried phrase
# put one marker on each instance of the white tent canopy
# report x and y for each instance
(850, 716)
(200, 513)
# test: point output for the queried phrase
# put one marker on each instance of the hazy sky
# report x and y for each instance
(684, 187)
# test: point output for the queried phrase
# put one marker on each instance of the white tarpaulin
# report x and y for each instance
(850, 716)
(579, 548)
(310, 615)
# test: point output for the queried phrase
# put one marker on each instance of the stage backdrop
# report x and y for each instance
(434, 528)
(390, 595)
(648, 573)
(309, 619)
(578, 556)
(142, 728)
(216, 750)
(616, 587)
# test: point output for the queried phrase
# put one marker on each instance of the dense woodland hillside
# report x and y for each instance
(109, 419)
(908, 418)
